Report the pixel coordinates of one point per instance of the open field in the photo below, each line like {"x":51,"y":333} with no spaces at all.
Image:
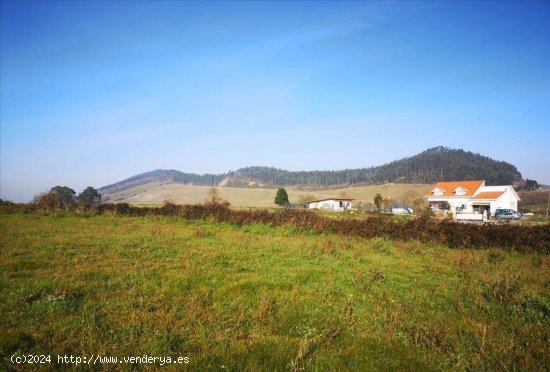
{"x":157,"y":193}
{"x":256,"y":297}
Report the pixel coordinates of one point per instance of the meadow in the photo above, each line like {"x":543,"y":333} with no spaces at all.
{"x":157,"y":193}
{"x":257,"y":297}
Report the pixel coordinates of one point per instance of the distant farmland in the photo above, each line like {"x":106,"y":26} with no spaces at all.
{"x":157,"y":193}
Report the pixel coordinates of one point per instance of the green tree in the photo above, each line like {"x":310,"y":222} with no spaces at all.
{"x":378,"y":201}
{"x":89,"y":196}
{"x":67,"y":195}
{"x":282,"y":197}
{"x":531,"y":185}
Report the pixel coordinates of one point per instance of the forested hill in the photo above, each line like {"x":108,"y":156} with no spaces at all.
{"x":435,"y":164}
{"x":445,"y":164}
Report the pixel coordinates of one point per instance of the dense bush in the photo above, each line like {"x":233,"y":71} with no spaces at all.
{"x":423,"y":228}
{"x":48,"y":200}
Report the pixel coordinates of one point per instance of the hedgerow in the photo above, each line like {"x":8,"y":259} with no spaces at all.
{"x":523,"y":238}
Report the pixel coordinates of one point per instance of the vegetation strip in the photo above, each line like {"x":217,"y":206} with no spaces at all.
{"x":425,"y":229}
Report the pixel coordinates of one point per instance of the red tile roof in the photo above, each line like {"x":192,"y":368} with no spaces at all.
{"x":448,"y":188}
{"x":489,"y":195}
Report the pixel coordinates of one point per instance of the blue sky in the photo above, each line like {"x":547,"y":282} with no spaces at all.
{"x":94,"y":92}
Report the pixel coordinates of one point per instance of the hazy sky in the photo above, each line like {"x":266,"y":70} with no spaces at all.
{"x":93,"y":92}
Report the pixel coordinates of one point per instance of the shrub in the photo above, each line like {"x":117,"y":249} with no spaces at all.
{"x":48,"y":201}
{"x":282,"y":197}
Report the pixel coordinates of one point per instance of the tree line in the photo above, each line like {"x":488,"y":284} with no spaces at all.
{"x":61,"y":196}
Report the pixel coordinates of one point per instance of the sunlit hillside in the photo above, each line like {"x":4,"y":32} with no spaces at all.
{"x":157,"y":193}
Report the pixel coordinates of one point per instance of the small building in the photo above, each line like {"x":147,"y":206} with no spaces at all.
{"x":331,"y":204}
{"x":472,"y":197}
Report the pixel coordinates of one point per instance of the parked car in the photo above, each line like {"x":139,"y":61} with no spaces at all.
{"x":507,"y":214}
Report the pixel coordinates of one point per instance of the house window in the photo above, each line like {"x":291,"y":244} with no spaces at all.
{"x":460,"y":191}
{"x":438,"y":192}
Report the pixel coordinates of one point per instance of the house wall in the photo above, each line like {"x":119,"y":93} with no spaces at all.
{"x":456,"y":203}
{"x":331,"y":205}
{"x":506,"y":201}
{"x":347,"y":205}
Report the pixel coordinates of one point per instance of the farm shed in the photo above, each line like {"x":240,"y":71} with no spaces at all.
{"x":331,"y":204}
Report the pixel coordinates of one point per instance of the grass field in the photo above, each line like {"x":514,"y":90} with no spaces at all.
{"x":264,"y":298}
{"x":157,"y":193}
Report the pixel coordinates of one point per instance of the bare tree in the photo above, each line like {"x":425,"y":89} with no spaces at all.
{"x":378,"y":201}
{"x":214,"y":195}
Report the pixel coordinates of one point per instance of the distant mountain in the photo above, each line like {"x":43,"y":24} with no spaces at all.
{"x":163,"y":175}
{"x":435,"y":164}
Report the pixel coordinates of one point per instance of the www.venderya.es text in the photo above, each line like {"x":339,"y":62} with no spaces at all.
{"x":97,"y":359}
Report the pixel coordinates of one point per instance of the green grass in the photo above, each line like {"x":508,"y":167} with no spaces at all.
{"x":541,"y":206}
{"x":263,"y":298}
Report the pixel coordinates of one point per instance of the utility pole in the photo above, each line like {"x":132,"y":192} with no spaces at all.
{"x":548,"y":205}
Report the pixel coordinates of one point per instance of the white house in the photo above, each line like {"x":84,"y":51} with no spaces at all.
{"x":472,"y":197}
{"x":331,"y":204}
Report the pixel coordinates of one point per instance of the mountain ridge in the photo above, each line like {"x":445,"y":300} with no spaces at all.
{"x":434,"y":164}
